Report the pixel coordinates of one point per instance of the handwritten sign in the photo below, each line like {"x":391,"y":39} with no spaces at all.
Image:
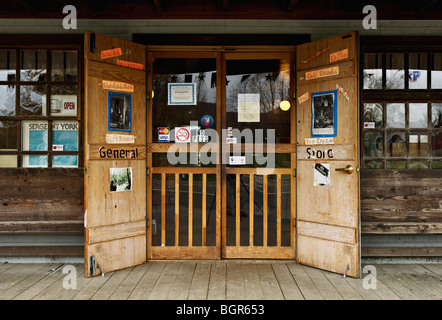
{"x":116,"y":85}
{"x":314,"y":141}
{"x":119,"y":139}
{"x":322,"y":73}
{"x":128,"y":64}
{"x":339,"y":55}
{"x":110,"y":53}
{"x":303,"y":98}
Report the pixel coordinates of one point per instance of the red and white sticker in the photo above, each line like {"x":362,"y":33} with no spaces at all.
{"x":182,"y":135}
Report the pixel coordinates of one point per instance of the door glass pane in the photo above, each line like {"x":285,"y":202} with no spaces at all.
{"x":418,"y":115}
{"x":254,"y":92}
{"x":436,"y":72}
{"x":372,"y":70}
{"x":417,"y":74}
{"x":7,"y":65}
{"x":395,"y":115}
{"x":34,"y":135}
{"x":395,"y":71}
{"x":178,"y":106}
{"x":33,"y":65}
{"x":436,"y":115}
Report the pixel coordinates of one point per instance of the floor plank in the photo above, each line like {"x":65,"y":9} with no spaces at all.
{"x":220,"y":280}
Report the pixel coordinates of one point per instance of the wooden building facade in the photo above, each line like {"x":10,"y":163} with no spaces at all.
{"x":46,"y":116}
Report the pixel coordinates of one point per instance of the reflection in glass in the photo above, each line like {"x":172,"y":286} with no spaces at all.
{"x":7,"y":100}
{"x":202,"y":72}
{"x":269,"y":81}
{"x":436,"y":72}
{"x":395,"y":164}
{"x":417,"y":74}
{"x":418,"y":145}
{"x":372,"y":71}
{"x":7,"y":65}
{"x":396,"y":146}
{"x":32,"y":100}
{"x":64,"y":101}
{"x":395,"y":115}
{"x":8,"y":135}
{"x":418,"y":115}
{"x":372,"y":164}
{"x":33,"y":66}
{"x":418,"y":165}
{"x":373,"y":115}
{"x":64,"y":66}
{"x":436,"y":164}
{"x":436,"y":115}
{"x":436,"y":144}
{"x":373,"y":144}
{"x":395,"y":71}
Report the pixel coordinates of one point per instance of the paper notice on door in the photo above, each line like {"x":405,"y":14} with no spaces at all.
{"x":248,"y":107}
{"x":321,"y":175}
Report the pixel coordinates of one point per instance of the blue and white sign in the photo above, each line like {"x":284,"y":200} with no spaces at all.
{"x":181,"y":94}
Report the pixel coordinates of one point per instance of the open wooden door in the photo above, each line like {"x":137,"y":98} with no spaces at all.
{"x":115,"y":149}
{"x":328,"y":154}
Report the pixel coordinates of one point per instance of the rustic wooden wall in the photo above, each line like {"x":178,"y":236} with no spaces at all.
{"x":401,"y":202}
{"x":40,"y":200}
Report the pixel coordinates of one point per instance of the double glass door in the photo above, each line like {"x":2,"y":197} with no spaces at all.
{"x":221,"y":154}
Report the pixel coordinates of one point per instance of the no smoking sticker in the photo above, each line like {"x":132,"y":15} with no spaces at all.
{"x":182,"y":135}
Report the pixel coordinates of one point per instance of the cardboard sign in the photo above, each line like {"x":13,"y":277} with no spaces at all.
{"x":339,"y":55}
{"x":322,"y":73}
{"x":304,"y":97}
{"x":105,"y":54}
{"x":128,"y":64}
{"x":116,"y":85}
{"x":119,"y":139}
{"x":314,"y":141}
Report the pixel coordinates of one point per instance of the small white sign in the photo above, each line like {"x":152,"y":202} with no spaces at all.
{"x":181,"y":94}
{"x":313,"y":141}
{"x":57,"y":147}
{"x":182,"y":135}
{"x":119,"y":139}
{"x":230,"y":140}
{"x":369,"y":125}
{"x":237,"y":160}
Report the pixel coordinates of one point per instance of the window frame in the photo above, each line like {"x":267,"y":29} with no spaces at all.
{"x":384,"y":96}
{"x":49,"y":44}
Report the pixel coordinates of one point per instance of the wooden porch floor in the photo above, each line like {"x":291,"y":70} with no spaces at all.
{"x":219,"y":280}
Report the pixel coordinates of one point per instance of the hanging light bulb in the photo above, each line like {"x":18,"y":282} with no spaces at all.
{"x":284,"y":105}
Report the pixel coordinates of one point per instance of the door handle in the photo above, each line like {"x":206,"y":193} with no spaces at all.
{"x":348,"y":169}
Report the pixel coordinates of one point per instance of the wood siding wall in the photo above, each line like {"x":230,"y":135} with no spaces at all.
{"x":39,"y":200}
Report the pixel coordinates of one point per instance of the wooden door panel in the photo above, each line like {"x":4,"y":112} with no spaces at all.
{"x":115,"y":220}
{"x":328,"y":212}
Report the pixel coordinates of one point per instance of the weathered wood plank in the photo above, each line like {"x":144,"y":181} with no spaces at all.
{"x":327,"y":290}
{"x":217,"y":284}
{"x":106,"y":291}
{"x":128,"y":285}
{"x":148,"y":281}
{"x":269,"y":283}
{"x":305,"y":284}
{"x":235,"y":282}
{"x":183,"y":280}
{"x":162,"y":287}
{"x":200,"y":282}
{"x":287,"y":283}
{"x":252,"y":282}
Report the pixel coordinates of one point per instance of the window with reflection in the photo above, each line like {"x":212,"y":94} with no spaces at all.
{"x":261,"y":83}
{"x":401,"y":110}
{"x":39,"y":117}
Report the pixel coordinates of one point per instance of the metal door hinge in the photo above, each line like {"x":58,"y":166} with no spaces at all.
{"x":147,"y":172}
{"x":294,"y":173}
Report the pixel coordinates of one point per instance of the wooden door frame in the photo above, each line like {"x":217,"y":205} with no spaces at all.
{"x":220,"y":53}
